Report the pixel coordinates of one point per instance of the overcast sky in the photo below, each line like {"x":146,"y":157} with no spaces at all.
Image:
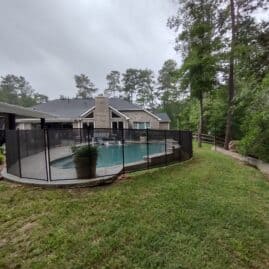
{"x":49,"y":41}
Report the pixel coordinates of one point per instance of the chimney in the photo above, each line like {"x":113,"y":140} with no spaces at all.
{"x":101,"y":113}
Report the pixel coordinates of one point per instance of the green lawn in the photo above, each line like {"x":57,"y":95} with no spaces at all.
{"x":209,"y":212}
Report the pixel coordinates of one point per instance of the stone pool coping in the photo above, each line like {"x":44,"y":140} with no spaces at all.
{"x":61,"y":183}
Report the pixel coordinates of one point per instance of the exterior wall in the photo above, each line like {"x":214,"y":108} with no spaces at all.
{"x":76,"y":124}
{"x":122,"y":119}
{"x":141,"y":116}
{"x":24,"y":126}
{"x":86,"y":120}
{"x":101,"y":112}
{"x":164,"y":126}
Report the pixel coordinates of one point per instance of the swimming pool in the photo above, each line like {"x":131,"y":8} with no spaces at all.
{"x":111,"y":155}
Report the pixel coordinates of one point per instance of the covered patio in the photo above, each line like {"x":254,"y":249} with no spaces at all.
{"x":9,"y":113}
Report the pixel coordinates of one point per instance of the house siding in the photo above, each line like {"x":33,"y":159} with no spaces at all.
{"x":101,"y":112}
{"x":164,"y":126}
{"x":141,"y":116}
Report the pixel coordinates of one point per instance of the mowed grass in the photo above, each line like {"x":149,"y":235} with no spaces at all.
{"x":209,"y":212}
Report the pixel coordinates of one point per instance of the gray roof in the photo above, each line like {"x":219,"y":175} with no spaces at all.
{"x":66,"y":108}
{"x":23,"y":111}
{"x":163,"y":116}
{"x":123,"y":105}
{"x":73,"y":108}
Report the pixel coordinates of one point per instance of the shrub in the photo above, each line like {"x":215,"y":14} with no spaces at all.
{"x":2,"y":159}
{"x":255,"y":127}
{"x":86,"y":151}
{"x":255,"y":142}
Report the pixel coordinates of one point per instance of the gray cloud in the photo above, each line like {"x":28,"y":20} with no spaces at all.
{"x":50,"y":41}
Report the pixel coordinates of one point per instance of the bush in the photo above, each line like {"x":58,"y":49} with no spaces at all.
{"x":85,"y":158}
{"x":2,"y":159}
{"x":255,"y":142}
{"x":255,"y":127}
{"x":86,"y":151}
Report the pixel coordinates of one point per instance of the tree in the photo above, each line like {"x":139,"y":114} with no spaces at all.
{"x":232,"y":16}
{"x":85,"y":87}
{"x":130,"y":83}
{"x":198,"y":43}
{"x":16,"y":90}
{"x":113,"y":81}
{"x":40,"y":98}
{"x":167,"y":90}
{"x":9,"y":89}
{"x":145,"y":88}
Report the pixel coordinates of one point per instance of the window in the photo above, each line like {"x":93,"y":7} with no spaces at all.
{"x":91,"y":115}
{"x":141,"y":125}
{"x":114,"y":115}
{"x":117,"y":125}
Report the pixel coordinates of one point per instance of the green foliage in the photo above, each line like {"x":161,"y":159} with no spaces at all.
{"x":113,"y":81}
{"x":255,"y":141}
{"x":16,"y":90}
{"x":188,"y":115}
{"x":196,"y":39}
{"x":2,"y":159}
{"x":85,"y":87}
{"x":215,"y":112}
{"x":87,"y":151}
{"x":194,"y":215}
{"x":130,"y":82}
{"x":145,"y":88}
{"x":167,"y":90}
{"x":255,"y":125}
{"x":138,"y":86}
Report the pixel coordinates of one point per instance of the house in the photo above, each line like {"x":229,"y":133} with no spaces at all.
{"x":98,"y":112}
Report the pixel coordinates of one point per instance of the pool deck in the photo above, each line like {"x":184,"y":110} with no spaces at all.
{"x":78,"y":183}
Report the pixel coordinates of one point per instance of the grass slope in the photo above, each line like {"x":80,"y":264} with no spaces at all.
{"x":210,"y":212}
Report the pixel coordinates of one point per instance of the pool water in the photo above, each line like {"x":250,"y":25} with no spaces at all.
{"x":112,"y":155}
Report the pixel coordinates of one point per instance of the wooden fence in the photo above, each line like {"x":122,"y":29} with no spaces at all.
{"x":210,"y":139}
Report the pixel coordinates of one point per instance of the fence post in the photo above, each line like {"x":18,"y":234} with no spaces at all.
{"x":190,"y":143}
{"x":122,"y":148}
{"x":47,"y":153}
{"x":165,"y":146}
{"x":80,"y":134}
{"x":19,"y":150}
{"x":147,"y":132}
{"x":179,"y":145}
{"x":88,"y":135}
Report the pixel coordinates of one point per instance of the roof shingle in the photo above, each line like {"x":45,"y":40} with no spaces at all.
{"x":73,"y":108}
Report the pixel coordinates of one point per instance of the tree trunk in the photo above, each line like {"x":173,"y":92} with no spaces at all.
{"x":200,"y":129}
{"x":231,"y":90}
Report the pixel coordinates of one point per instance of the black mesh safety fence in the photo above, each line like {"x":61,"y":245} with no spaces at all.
{"x":12,"y":153}
{"x":47,"y":154}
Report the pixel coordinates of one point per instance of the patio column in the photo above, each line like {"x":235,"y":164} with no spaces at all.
{"x":42,"y":123}
{"x":11,"y":121}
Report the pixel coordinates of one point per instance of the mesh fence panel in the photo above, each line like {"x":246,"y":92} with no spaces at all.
{"x":60,"y":144}
{"x":135,"y":150}
{"x":33,"y":154}
{"x":47,"y":154}
{"x":12,"y":153}
{"x":174,"y":146}
{"x":157,"y":148}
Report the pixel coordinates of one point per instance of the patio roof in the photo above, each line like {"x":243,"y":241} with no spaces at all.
{"x":23,"y":112}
